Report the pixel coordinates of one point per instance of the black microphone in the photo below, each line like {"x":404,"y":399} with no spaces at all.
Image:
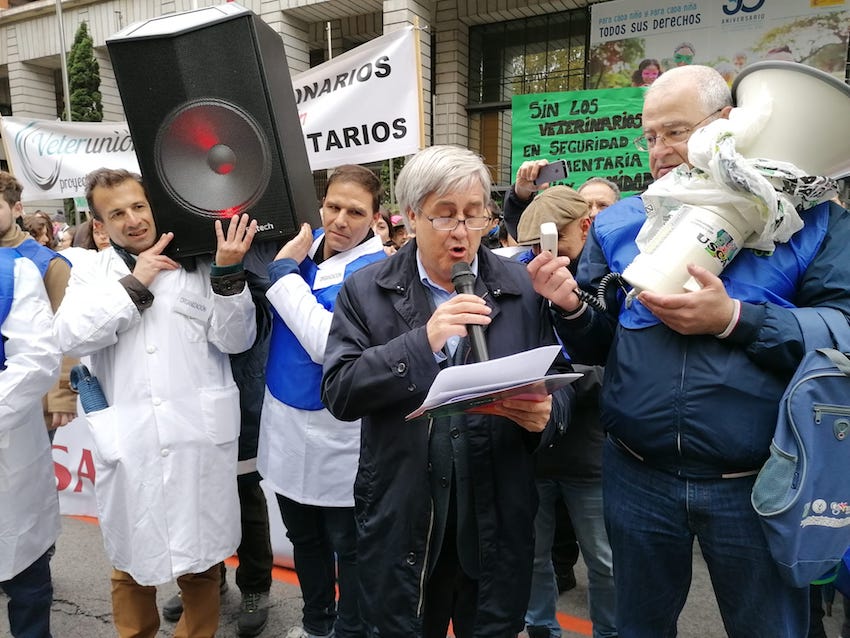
{"x":464,"y":281}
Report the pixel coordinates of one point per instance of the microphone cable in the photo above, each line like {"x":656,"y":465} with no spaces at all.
{"x":598,"y":301}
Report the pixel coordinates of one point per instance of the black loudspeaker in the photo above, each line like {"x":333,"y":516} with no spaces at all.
{"x":210,"y":107}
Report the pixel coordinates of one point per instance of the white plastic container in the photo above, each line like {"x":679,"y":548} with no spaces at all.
{"x":706,"y":236}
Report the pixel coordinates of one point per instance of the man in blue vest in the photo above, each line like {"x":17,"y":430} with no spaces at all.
{"x":306,"y":456}
{"x":60,"y":404}
{"x":29,"y":506}
{"x":692,"y":387}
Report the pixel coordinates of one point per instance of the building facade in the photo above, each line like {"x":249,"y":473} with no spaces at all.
{"x":475,"y":53}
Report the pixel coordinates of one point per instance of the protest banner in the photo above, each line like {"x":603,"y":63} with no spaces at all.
{"x":364,"y":105}
{"x":51,"y":158}
{"x":726,"y":35}
{"x":591,"y":130}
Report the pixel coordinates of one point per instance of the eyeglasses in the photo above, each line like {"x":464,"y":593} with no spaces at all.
{"x":450,"y":223}
{"x":672,"y":137}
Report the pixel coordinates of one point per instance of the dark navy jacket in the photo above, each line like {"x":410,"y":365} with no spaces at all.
{"x":378,"y":367}
{"x":699,"y":406}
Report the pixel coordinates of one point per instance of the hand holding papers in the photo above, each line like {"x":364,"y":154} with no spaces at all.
{"x":460,"y":388}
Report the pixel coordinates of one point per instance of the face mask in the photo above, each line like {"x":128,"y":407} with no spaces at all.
{"x":681,"y":58}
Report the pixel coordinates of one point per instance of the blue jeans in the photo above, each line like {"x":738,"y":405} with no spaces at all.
{"x":652,"y":519}
{"x":584,"y":502}
{"x":30,"y":597}
{"x":317,"y":534}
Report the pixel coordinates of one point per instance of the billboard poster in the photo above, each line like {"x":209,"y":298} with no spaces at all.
{"x":631,"y":41}
{"x":591,"y":130}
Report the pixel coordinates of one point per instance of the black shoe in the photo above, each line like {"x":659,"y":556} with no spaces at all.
{"x":537,"y":631}
{"x":253,"y":615}
{"x":173,"y":609}
{"x":566,"y":581}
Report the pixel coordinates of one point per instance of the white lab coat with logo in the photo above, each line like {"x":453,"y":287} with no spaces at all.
{"x":29,"y":506}
{"x":166,"y":447}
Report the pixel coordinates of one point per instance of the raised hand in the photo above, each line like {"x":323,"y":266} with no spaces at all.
{"x":551,"y":279}
{"x":524,"y":187}
{"x":240,"y":234}
{"x":451,"y":318}
{"x":151,"y":261}
{"x":297,"y":247}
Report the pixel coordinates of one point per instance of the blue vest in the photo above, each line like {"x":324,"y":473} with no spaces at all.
{"x":292,"y":376}
{"x":40,"y":255}
{"x":7,"y":292}
{"x":752,"y":276}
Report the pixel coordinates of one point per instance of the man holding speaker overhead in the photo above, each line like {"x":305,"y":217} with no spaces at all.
{"x":165,"y":449}
{"x":444,"y":506}
{"x":693,"y":381}
{"x":307,"y":456}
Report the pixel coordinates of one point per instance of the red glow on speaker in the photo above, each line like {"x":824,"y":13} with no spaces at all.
{"x":224,"y":169}
{"x":194,"y":128}
{"x":227,"y":213}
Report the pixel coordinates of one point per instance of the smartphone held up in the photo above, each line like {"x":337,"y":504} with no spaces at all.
{"x":552,"y":172}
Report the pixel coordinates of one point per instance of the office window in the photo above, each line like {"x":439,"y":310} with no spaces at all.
{"x":532,"y":55}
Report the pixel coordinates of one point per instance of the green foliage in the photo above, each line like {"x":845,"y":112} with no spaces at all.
{"x":84,"y":79}
{"x":820,"y":38}
{"x":611,"y":63}
{"x":557,"y":68}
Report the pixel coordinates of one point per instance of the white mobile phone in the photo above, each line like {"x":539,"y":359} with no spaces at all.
{"x":549,"y":238}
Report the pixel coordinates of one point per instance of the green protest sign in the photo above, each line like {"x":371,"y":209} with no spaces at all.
{"x":591,"y":130}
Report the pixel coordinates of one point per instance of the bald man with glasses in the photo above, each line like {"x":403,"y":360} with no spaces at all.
{"x":692,"y":387}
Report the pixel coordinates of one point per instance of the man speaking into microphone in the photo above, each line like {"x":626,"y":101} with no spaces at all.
{"x":445,"y":506}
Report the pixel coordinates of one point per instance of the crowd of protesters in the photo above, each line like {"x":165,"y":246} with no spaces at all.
{"x":300,"y":363}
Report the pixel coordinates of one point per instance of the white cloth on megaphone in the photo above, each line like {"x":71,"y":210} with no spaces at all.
{"x":765,"y":193}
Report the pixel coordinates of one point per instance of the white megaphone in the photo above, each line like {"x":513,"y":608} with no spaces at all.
{"x":708,"y":236}
{"x":808,"y":126}
{"x":809,"y":123}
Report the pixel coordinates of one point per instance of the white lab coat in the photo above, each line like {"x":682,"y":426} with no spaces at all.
{"x":309,"y":456}
{"x":166,"y":449}
{"x":29,"y":506}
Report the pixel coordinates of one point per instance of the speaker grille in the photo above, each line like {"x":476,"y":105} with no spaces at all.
{"x":212,"y":158}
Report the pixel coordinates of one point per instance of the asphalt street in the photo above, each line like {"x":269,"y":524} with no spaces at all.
{"x":82,"y":607}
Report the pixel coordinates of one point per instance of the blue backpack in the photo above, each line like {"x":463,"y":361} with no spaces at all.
{"x":7,"y":292}
{"x":802,"y":493}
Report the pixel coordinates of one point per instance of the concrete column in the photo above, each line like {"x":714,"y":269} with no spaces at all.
{"x":296,"y":39}
{"x":32,"y":90}
{"x":452,"y":75}
{"x":400,"y":13}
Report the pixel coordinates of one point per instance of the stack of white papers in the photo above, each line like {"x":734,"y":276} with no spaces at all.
{"x":521,"y":376}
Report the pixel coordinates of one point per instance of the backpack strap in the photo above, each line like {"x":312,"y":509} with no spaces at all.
{"x":823,"y":328}
{"x":838,"y":359}
{"x":7,"y":292}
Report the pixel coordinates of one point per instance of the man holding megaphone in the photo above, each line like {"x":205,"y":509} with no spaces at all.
{"x":692,"y":385}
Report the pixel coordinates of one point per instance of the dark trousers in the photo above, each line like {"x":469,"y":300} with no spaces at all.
{"x":565,"y":545}
{"x":317,"y":534}
{"x":30,"y":597}
{"x":450,"y":595}
{"x":254,"y":574}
